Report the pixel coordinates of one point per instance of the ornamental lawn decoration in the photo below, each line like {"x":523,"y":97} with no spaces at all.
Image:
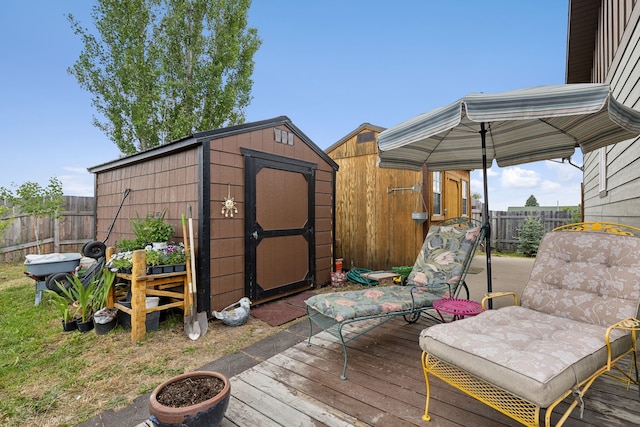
{"x":229,"y":204}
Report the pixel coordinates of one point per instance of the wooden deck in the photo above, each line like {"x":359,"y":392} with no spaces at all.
{"x":301,"y":386}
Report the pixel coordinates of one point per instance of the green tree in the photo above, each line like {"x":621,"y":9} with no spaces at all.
{"x":530,"y":235}
{"x":160,"y":70}
{"x":5,"y":218}
{"x":531,"y":201}
{"x":36,"y":201}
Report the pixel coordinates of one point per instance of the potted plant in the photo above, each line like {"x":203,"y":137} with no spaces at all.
{"x":83,"y":300}
{"x":129,"y":245}
{"x":176,"y":256}
{"x":152,"y":228}
{"x":104,"y":318}
{"x":121,"y":262}
{"x":155,"y":259}
{"x":65,"y":307}
{"x":205,"y":403}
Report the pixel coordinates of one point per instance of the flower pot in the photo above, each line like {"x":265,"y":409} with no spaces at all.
{"x":85,"y":326}
{"x":419,"y":217}
{"x":158,"y":246}
{"x":155,"y":269}
{"x":167,"y":268}
{"x":209,"y":412}
{"x":105,"y":320}
{"x":179,"y":267}
{"x":152,"y":320}
{"x":69,"y":326}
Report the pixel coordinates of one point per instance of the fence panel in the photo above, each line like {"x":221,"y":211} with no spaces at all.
{"x":66,"y":234}
{"x":506,"y":226}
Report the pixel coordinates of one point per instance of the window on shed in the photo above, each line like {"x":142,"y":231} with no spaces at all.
{"x":465,"y":198}
{"x":366,"y":137}
{"x":437,"y":193}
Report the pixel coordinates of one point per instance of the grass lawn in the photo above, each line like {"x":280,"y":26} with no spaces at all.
{"x":53,"y":378}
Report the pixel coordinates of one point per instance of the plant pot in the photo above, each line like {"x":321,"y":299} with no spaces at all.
{"x":419,"y":217}
{"x":154,"y":269}
{"x":167,"y":268}
{"x":105,"y":320}
{"x":179,"y":267}
{"x":85,"y":326}
{"x":207,"y":413}
{"x":158,"y":246}
{"x":152,"y":320}
{"x":70,"y":326}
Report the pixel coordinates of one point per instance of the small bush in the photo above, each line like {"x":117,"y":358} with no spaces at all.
{"x":530,"y":235}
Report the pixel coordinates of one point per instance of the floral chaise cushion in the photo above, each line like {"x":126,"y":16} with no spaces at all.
{"x":443,"y":255}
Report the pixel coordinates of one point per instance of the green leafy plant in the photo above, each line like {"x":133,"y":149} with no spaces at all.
{"x":530,"y":235}
{"x":81,"y":295}
{"x":103,"y":284}
{"x":62,"y":302}
{"x":152,"y":228}
{"x":120,"y":261}
{"x":128,"y":245}
{"x":36,"y":201}
{"x":154,"y":257}
{"x":175,"y":254}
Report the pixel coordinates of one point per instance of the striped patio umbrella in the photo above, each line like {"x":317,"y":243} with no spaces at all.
{"x":515,"y":127}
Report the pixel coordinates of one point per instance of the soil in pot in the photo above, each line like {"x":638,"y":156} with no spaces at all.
{"x":192,"y":399}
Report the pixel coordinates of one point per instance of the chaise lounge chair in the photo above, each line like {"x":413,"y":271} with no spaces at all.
{"x":577,"y":318}
{"x":438,"y":272}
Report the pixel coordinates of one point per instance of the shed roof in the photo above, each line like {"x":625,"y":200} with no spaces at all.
{"x":199,"y":137}
{"x":353,"y":133}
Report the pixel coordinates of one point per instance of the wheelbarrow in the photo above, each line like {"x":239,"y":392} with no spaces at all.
{"x":48,"y":269}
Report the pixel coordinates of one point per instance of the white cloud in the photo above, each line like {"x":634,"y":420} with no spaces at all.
{"x":78,"y":182}
{"x":563,"y":171}
{"x":515,"y":177}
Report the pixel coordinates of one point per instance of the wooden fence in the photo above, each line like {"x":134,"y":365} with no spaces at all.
{"x":77,"y":226}
{"x":66,"y":234}
{"x":506,"y":226}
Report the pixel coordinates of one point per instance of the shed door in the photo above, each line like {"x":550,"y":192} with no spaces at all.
{"x":279,"y":232}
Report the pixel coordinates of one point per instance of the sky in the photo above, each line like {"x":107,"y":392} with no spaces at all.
{"x":328,"y":65}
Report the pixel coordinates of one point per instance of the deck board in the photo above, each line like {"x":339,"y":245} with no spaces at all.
{"x":301,"y":386}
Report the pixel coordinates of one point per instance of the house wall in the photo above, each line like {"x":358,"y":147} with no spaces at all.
{"x":616,"y":59}
{"x":374,"y":228}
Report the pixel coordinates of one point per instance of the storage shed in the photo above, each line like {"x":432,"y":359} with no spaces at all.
{"x":279,"y":242}
{"x":375,"y":207}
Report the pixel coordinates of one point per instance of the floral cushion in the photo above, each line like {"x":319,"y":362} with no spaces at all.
{"x":588,"y":277}
{"x":443,"y":256}
{"x":371,"y":302}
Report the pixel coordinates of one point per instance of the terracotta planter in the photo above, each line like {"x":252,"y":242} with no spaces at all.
{"x":207,"y":413}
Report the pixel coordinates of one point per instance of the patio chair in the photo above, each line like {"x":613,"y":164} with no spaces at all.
{"x":438,"y":272}
{"x":577,"y":318}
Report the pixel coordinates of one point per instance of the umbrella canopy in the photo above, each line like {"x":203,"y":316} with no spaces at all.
{"x":515,"y":127}
{"x":526,"y":125}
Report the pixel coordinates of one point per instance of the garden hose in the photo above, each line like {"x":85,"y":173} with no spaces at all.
{"x":355,"y":276}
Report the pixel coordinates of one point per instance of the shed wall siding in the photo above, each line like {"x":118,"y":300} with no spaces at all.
{"x":616,"y":60}
{"x":227,"y":234}
{"x":374,"y":229}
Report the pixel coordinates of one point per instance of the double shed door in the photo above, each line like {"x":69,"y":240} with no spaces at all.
{"x":279,"y":225}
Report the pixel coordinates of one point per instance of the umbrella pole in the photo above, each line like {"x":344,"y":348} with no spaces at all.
{"x":485,"y":209}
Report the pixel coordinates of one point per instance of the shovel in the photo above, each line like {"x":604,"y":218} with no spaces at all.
{"x":191,"y":326}
{"x":203,"y":321}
